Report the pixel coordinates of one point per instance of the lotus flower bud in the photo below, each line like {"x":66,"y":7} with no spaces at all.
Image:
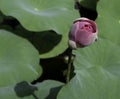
{"x":83,"y":33}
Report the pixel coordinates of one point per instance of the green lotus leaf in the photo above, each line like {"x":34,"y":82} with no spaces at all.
{"x":97,"y":67}
{"x":109,"y":20}
{"x":23,"y":90}
{"x":40,"y":15}
{"x":57,"y":45}
{"x":48,"y":43}
{"x":97,"y":73}
{"x":19,"y":60}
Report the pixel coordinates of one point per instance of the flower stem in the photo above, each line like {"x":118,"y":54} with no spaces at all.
{"x":69,"y":65}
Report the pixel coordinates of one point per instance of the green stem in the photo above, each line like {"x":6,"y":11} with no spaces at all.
{"x":69,"y":66}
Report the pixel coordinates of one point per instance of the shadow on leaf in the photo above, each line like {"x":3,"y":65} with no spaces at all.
{"x":24,"y":89}
{"x":53,"y":93}
{"x":44,"y":41}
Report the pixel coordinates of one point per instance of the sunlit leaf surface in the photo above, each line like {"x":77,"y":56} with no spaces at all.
{"x":23,"y":90}
{"x":19,"y":60}
{"x":97,"y":66}
{"x":40,"y":15}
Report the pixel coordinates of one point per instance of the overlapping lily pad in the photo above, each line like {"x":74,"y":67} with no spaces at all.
{"x":43,"y":15}
{"x":109,"y":20}
{"x":19,"y":60}
{"x":60,"y":45}
{"x":45,"y":90}
{"x":40,"y":15}
{"x":97,"y":73}
{"x":48,"y":43}
{"x":97,"y":67}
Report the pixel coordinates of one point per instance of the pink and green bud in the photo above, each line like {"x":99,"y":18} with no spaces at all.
{"x":83,"y":33}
